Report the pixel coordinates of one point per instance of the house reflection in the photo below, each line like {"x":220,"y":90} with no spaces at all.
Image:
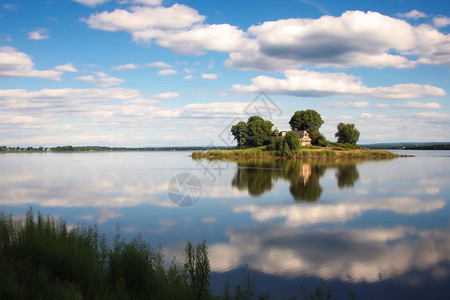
{"x":258,"y":175}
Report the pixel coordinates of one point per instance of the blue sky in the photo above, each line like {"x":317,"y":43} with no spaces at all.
{"x":158,"y":73}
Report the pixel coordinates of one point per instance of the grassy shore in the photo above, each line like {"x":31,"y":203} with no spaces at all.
{"x":304,"y":153}
{"x":42,"y":258}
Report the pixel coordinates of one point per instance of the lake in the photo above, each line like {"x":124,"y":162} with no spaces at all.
{"x":378,"y":228}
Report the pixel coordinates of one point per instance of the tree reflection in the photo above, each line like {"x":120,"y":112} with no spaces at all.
{"x":257,"y":175}
{"x":347,"y":175}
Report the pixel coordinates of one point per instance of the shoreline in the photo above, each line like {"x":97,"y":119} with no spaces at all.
{"x":303,"y":154}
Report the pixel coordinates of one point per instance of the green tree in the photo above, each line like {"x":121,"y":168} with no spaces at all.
{"x":347,"y":133}
{"x":255,"y":133}
{"x":309,"y":120}
{"x":290,"y":144}
{"x":239,"y":132}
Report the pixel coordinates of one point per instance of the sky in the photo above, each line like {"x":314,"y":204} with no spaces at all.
{"x":141,"y":73}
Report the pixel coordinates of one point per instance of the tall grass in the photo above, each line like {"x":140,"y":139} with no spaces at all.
{"x":44,"y":259}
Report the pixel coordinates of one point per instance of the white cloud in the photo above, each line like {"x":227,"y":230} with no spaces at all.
{"x":441,"y":22}
{"x":433,"y":47}
{"x":414,"y":14}
{"x":144,"y":23}
{"x":421,"y":105}
{"x":354,"y":39}
{"x":149,"y":2}
{"x":302,"y":83}
{"x":215,"y":109}
{"x":91,"y":3}
{"x":19,"y":64}
{"x":189,"y":77}
{"x":209,"y":76}
{"x":131,"y":66}
{"x":340,"y":104}
{"x":166,"y":96}
{"x":201,"y":38}
{"x":40,"y":34}
{"x":125,"y":67}
{"x":167,"y":72}
{"x":101,"y":79}
{"x":66,"y":68}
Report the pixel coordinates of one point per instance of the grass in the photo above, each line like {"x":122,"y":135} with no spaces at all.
{"x":303,"y":153}
{"x":45,"y":259}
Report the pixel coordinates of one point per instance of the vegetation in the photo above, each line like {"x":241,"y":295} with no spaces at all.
{"x":103,"y":148}
{"x":44,"y":259}
{"x":255,"y":133}
{"x":347,"y":134}
{"x":290,"y":144}
{"x":303,"y":153}
{"x":309,"y":120}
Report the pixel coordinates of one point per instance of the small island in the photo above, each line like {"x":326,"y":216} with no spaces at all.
{"x":256,"y":139}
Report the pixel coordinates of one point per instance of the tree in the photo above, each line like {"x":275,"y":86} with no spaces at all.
{"x":239,"y":132}
{"x":347,"y":133}
{"x":290,"y":144}
{"x":309,"y":120}
{"x":255,"y":133}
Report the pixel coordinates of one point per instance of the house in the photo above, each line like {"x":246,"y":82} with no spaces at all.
{"x":305,"y":140}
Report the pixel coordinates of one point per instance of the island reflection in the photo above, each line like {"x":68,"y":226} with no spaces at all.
{"x":258,"y":175}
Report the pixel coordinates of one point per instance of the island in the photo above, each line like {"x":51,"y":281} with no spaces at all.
{"x":256,"y":138}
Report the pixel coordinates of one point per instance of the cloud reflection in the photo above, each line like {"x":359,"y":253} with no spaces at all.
{"x":300,"y":215}
{"x":357,"y":255}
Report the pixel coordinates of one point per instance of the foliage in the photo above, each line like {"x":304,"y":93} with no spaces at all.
{"x":308,"y":120}
{"x":43,"y":259}
{"x":290,"y":144}
{"x":255,"y":133}
{"x":347,"y":134}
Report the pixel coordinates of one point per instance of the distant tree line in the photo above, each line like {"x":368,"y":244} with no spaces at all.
{"x":105,"y":148}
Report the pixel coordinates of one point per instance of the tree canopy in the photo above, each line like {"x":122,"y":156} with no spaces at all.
{"x":255,"y":133}
{"x":347,"y":133}
{"x":309,"y":120}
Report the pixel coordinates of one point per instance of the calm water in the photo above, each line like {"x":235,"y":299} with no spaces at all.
{"x":378,"y":228}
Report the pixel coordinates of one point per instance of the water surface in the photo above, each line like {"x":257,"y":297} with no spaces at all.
{"x":378,"y":228}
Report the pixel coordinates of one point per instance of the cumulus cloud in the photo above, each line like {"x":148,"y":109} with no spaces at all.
{"x":66,"y":68}
{"x":166,"y":96}
{"x":302,"y":83}
{"x":18,"y":64}
{"x":143,"y":22}
{"x":178,"y":28}
{"x":40,"y":34}
{"x":91,"y":3}
{"x":340,"y":104}
{"x":413,"y":14}
{"x":420,"y":105}
{"x":133,"y":66}
{"x":441,"y":22}
{"x":209,"y":76}
{"x":433,"y":47}
{"x":353,"y":39}
{"x":167,"y":72}
{"x":101,"y":79}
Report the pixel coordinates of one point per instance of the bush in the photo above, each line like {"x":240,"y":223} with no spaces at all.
{"x":290,"y":145}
